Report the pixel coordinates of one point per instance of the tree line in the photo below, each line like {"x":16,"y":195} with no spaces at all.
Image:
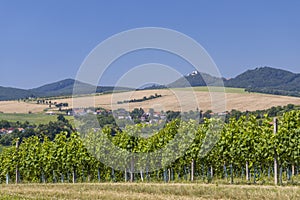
{"x":140,"y":100}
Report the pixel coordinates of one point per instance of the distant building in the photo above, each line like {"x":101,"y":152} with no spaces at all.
{"x":50,"y":113}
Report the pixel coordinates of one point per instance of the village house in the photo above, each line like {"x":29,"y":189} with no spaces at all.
{"x":10,"y":130}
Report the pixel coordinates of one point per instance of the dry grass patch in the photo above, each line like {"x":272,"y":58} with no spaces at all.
{"x":147,"y":191}
{"x":20,"y":107}
{"x":184,"y":100}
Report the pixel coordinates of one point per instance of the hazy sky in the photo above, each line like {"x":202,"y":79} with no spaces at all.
{"x":46,"y":41}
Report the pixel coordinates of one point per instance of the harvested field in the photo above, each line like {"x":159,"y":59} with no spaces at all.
{"x":177,"y":99}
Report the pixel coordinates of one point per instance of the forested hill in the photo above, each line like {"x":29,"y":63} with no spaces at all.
{"x":60,"y":88}
{"x":267,"y":80}
{"x":264,"y":79}
{"x":9,"y":93}
{"x":196,"y":79}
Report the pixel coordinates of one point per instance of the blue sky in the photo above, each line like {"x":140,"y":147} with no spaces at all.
{"x":46,"y":41}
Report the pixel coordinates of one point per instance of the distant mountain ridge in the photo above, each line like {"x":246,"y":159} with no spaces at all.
{"x":59,"y":88}
{"x":264,"y":79}
{"x":9,"y":93}
{"x":268,"y":80}
{"x":197,"y":79}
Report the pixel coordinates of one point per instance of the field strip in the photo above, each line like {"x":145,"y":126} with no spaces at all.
{"x":147,"y":191}
{"x":169,"y":101}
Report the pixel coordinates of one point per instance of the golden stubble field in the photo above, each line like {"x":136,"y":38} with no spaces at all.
{"x":20,"y":107}
{"x":177,"y":100}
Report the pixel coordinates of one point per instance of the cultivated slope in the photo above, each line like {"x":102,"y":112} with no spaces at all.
{"x":235,"y":99}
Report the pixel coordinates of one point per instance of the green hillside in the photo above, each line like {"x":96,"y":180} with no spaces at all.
{"x":31,"y":118}
{"x":268,"y":80}
{"x":263,"y":80}
{"x":8,"y":93}
{"x":215,"y":89}
{"x":56,"y":89}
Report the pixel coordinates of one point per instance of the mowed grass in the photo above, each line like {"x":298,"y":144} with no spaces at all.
{"x":1,"y":148}
{"x":33,"y":118}
{"x":145,"y":191}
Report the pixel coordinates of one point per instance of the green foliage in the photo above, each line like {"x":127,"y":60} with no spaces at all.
{"x":1,"y":148}
{"x":49,"y":130}
{"x":140,"y":100}
{"x":214,"y":146}
{"x":34,"y":118}
{"x":271,"y":112}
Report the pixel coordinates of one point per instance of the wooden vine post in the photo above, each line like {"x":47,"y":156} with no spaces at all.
{"x":125,"y":174}
{"x":247,"y":171}
{"x":132,"y":170}
{"x":17,"y":167}
{"x":275,"y":153}
{"x":192,"y":170}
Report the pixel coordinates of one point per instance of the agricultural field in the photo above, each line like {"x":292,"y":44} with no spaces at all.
{"x":146,"y":191}
{"x":216,"y":89}
{"x":236,"y":98}
{"x":1,"y":148}
{"x":20,"y":107}
{"x":35,"y":118}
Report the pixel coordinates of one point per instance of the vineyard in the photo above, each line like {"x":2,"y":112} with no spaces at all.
{"x":241,"y":151}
